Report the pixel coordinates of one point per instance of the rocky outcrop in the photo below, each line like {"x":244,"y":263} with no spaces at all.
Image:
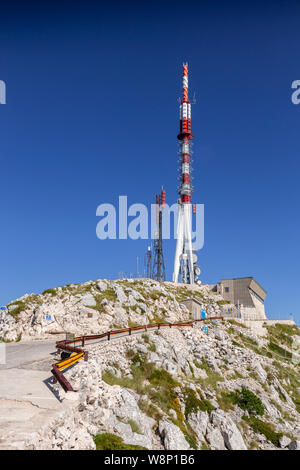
{"x":165,"y":390}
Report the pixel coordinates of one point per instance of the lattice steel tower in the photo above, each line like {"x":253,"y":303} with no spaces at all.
{"x":159,"y":271}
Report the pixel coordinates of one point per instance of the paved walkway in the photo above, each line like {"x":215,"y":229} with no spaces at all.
{"x":27,"y":400}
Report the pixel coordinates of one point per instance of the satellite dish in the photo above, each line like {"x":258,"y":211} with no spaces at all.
{"x":197,"y":270}
{"x":195,"y":258}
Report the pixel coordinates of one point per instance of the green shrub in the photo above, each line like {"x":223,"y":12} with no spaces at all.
{"x":108,"y":441}
{"x":163,"y":378}
{"x":247,"y":400}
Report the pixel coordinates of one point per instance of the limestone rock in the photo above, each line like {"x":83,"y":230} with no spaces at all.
{"x":215,"y":439}
{"x":232,"y":436}
{"x":101,"y":286}
{"x":172,"y":436}
{"x":294,"y":445}
{"x":199,"y":422}
{"x":88,"y":300}
{"x":284,"y":441}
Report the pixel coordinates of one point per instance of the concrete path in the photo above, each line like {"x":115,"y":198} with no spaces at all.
{"x":25,"y":353}
{"x":27,"y":400}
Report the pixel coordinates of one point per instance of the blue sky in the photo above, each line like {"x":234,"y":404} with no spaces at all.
{"x":92,"y":114}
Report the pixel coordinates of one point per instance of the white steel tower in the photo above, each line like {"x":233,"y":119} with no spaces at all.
{"x":184,"y":269}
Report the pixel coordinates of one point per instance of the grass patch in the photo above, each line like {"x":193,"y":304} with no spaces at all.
{"x":151,"y":345}
{"x":235,"y":343}
{"x":212,"y":376}
{"x":134,"y":426}
{"x":132,"y":324}
{"x":264,"y":428}
{"x":248,"y":340}
{"x":150,"y":410}
{"x":289,"y":330}
{"x":236,"y":323}
{"x":20,"y":307}
{"x":158,"y":319}
{"x":193,"y":404}
{"x":53,"y":292}
{"x":108,"y":441}
{"x":293,"y":376}
{"x":160,"y":390}
{"x":204,"y":446}
{"x":155,"y":295}
{"x":253,"y":445}
{"x":223,"y":302}
{"x":225,"y":401}
{"x":279,"y":350}
{"x":112,"y":379}
{"x":160,"y":377}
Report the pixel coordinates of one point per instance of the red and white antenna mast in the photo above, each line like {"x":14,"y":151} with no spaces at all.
{"x":184,"y":256}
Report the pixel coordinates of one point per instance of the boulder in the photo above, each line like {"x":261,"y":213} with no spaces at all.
{"x":294,"y":445}
{"x":101,"y":286}
{"x":284,"y":441}
{"x":172,"y":436}
{"x":199,"y":422}
{"x":232,"y":436}
{"x":88,"y":300}
{"x":262,"y":374}
{"x":220,"y":335}
{"x":215,"y":439}
{"x":120,"y":294}
{"x":141,"y":349}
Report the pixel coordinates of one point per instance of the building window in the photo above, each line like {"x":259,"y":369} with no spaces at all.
{"x":226,"y":289}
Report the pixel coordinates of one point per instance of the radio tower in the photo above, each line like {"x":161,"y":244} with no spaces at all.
{"x":148,"y":262}
{"x":184,"y":269}
{"x":159,"y":271}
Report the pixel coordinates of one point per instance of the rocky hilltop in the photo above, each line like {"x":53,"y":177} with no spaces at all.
{"x":179,"y":388}
{"x":97,"y":306}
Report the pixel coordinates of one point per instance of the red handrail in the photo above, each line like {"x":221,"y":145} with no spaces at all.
{"x":65,"y":345}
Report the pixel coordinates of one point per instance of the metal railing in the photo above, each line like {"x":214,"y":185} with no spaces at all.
{"x":78,"y":353}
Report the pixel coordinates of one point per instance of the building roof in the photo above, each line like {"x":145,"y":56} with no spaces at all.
{"x":246,"y":277}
